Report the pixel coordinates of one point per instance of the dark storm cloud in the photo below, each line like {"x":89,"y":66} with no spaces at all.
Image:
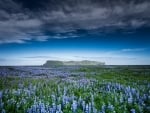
{"x":25,"y":20}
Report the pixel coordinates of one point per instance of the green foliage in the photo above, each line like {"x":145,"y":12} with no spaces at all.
{"x":92,"y":84}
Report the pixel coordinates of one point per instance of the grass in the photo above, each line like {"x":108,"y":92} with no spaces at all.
{"x":21,"y":93}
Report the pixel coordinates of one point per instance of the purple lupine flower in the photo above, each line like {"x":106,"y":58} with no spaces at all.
{"x":94,"y":110}
{"x":1,"y":104}
{"x":103,"y":108}
{"x":29,"y":110}
{"x":87,"y":109}
{"x":132,"y":111}
{"x":1,"y":94}
{"x":80,"y":100}
{"x":74,"y":106}
{"x":59,"y":107}
{"x":43,"y":110}
{"x":90,"y":107}
{"x":33,"y":108}
{"x":83,"y":105}
{"x":54,"y":106}
{"x":3,"y":111}
{"x":130,"y":100}
{"x":110,"y":107}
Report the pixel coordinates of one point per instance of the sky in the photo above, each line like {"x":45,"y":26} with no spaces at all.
{"x":116,"y":32}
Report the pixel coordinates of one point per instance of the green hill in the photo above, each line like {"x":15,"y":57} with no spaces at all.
{"x":50,"y":63}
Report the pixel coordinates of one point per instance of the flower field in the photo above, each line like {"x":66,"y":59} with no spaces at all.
{"x":74,"y":90}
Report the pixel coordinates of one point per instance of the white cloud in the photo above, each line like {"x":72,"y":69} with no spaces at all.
{"x":133,"y":50}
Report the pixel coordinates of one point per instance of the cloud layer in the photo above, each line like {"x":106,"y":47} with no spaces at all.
{"x":23,"y":20}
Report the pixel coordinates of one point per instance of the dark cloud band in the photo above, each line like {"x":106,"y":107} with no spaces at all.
{"x":24,"y":20}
